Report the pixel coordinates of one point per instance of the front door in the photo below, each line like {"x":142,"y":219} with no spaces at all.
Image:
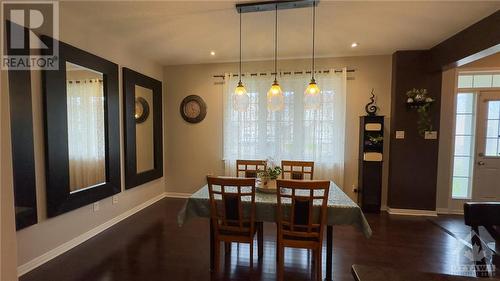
{"x":487,"y":166}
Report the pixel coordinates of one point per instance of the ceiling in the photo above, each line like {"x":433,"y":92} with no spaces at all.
{"x":185,"y":32}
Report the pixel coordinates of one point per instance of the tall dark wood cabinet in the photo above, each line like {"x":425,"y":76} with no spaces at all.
{"x":371,"y":148}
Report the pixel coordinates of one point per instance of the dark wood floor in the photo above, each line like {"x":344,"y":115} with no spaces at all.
{"x":150,"y":246}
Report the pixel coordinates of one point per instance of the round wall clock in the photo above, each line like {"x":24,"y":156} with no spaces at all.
{"x":141,"y":110}
{"x":193,"y":109}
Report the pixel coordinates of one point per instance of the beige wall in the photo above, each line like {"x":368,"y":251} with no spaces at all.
{"x":8,"y":252}
{"x":51,"y":233}
{"x":448,"y":100}
{"x":194,"y":150}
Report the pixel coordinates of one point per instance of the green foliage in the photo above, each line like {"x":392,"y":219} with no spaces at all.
{"x":271,"y":172}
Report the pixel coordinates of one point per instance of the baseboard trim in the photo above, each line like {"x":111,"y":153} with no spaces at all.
{"x":177,"y":195}
{"x":411,"y":212}
{"x":36,"y":262}
{"x":444,"y":211}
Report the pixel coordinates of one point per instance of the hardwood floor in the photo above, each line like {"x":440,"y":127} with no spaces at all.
{"x":150,"y":246}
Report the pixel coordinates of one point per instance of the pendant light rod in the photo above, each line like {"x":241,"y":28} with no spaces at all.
{"x":239,"y":73}
{"x":276,"y":41}
{"x":314,"y":37}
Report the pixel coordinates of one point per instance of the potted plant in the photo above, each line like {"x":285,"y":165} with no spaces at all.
{"x":269,"y":175}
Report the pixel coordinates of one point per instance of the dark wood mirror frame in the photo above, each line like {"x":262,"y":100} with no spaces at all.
{"x":130,"y":80}
{"x":21,"y":123}
{"x":59,"y":198}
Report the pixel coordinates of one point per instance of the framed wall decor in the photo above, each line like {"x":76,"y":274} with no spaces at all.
{"x":82,"y":130}
{"x":193,"y":109}
{"x":143,"y":128}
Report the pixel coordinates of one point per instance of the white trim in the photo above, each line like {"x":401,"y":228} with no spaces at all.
{"x":445,"y":211}
{"x":177,"y":195}
{"x":411,"y":212}
{"x":383,"y":208}
{"x":36,"y":262}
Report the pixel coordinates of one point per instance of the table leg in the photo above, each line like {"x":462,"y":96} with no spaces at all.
{"x":329,"y":252}
{"x":212,"y":247}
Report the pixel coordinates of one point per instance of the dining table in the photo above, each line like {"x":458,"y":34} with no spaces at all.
{"x":342,"y":210}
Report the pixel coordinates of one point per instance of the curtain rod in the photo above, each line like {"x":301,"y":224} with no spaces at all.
{"x":285,"y":73}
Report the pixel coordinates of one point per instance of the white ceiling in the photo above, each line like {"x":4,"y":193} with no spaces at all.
{"x":184,"y":32}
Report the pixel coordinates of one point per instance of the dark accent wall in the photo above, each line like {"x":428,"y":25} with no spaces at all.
{"x":413,"y":160}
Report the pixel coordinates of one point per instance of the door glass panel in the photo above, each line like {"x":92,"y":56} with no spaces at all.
{"x":494,"y":110}
{"x":86,"y":133}
{"x":464,"y":124}
{"x":463,"y":145}
{"x":465,"y":103}
{"x":461,"y":167}
{"x":460,"y":187}
{"x":492,"y":131}
{"x":464,"y":137}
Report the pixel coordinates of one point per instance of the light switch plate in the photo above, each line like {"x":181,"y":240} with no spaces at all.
{"x":96,"y":206}
{"x":400,"y":135}
{"x":115,"y":199}
{"x":431,"y":135}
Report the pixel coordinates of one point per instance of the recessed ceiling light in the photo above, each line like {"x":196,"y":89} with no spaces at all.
{"x":354,"y":44}
{"x":212,"y":53}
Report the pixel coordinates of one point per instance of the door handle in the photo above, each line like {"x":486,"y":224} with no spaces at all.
{"x":481,"y":163}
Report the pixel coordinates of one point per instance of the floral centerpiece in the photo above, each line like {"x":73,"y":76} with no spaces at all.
{"x":269,"y":175}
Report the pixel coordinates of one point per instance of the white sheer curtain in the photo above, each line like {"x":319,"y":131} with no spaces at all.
{"x":295,"y":133}
{"x":86,"y":144}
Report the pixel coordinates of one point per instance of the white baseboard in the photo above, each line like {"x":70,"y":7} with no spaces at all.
{"x":177,"y":195}
{"x":445,"y":211}
{"x":36,"y":262}
{"x":383,"y":208}
{"x":410,"y":212}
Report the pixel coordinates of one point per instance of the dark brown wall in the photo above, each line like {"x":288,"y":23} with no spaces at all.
{"x":413,"y":160}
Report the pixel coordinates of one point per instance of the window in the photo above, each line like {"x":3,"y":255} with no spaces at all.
{"x":464,"y":145}
{"x":295,"y":133}
{"x":469,"y":81}
{"x":493,"y":129}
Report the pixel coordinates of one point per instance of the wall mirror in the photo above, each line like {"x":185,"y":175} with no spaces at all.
{"x":82,"y":130}
{"x":21,"y":119}
{"x":143,"y":128}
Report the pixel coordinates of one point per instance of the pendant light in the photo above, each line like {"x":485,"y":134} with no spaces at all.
{"x":275,"y":98}
{"x":241,"y":100}
{"x":311,"y":94}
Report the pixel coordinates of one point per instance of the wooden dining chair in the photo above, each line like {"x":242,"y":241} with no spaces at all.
{"x":301,"y":218}
{"x":297,"y":170}
{"x":232,"y":214}
{"x":249,"y":168}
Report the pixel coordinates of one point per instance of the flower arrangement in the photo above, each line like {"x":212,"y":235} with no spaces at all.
{"x":420,"y":99}
{"x":271,"y":172}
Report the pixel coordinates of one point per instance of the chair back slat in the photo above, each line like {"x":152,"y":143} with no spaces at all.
{"x":232,"y":204}
{"x":249,"y":168}
{"x":302,"y":208}
{"x":297,"y":170}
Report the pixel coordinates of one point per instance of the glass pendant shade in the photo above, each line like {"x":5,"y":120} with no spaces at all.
{"x":241,"y":100}
{"x":312,"y":96}
{"x":275,"y":98}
